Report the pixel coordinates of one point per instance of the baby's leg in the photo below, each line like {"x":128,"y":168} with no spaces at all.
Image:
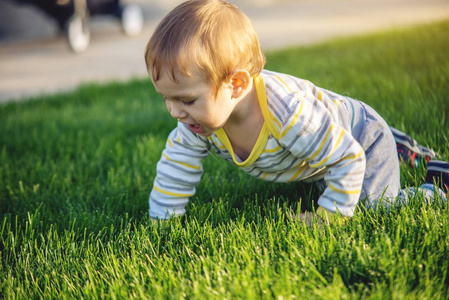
{"x":436,"y":186}
{"x":382,"y":174}
{"x":409,"y":150}
{"x":429,"y":191}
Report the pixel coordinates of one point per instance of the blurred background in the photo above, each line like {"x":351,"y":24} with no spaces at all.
{"x":48,"y":46}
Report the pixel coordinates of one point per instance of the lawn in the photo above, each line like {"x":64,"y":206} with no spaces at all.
{"x":76,"y":170}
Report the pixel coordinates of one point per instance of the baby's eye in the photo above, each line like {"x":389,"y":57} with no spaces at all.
{"x":187,"y":103}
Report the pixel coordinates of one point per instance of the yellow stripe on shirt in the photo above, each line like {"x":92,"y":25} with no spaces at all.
{"x":286,"y":130}
{"x":340,"y":137}
{"x":272,"y":150}
{"x":299,"y":172}
{"x":181,"y":163}
{"x":172,"y":193}
{"x":274,"y":119}
{"x":286,"y":85}
{"x":352,"y":156}
{"x":343,"y":191}
{"x":322,"y":143}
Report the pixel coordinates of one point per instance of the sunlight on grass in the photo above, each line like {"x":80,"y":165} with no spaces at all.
{"x":76,"y":170}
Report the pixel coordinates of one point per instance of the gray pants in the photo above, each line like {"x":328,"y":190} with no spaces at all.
{"x":381,"y":183}
{"x":382,"y":174}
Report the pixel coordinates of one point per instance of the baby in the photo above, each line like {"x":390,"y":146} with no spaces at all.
{"x":205,"y":59}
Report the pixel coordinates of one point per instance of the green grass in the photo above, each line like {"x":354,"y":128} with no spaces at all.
{"x":76,"y":170}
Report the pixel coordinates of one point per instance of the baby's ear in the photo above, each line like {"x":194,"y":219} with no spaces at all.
{"x":240,"y":80}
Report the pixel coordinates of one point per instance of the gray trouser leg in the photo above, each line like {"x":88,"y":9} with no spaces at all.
{"x":382,"y":175}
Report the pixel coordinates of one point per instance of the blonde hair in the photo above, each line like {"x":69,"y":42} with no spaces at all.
{"x":210,"y":36}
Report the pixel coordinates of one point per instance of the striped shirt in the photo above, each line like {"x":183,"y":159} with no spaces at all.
{"x":306,"y":135}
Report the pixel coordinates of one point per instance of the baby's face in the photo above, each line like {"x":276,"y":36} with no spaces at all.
{"x":194,"y":102}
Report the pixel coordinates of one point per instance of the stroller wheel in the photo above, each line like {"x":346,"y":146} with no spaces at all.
{"x":78,"y":33}
{"x":132,"y":19}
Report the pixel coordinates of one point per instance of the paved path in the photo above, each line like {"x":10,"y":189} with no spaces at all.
{"x":47,"y":66}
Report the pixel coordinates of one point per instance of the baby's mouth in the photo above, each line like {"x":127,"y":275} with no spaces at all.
{"x":196,"y":128}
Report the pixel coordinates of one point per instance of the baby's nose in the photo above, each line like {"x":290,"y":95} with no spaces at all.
{"x":176,"y":110}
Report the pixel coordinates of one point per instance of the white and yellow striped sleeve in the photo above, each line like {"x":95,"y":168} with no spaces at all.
{"x":178,"y":172}
{"x":311,"y":133}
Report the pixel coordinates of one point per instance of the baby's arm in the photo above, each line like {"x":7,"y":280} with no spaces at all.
{"x":178,"y":172}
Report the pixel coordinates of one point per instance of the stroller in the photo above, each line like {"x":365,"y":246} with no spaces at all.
{"x":73,"y":16}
